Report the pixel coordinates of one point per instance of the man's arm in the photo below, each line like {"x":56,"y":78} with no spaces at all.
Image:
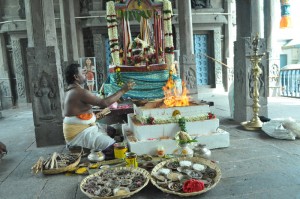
{"x":89,"y":98}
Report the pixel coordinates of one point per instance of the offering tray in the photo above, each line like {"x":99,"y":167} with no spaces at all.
{"x":210,"y":176}
{"x":118,"y":182}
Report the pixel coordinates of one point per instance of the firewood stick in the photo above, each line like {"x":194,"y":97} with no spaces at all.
{"x":53,"y":160}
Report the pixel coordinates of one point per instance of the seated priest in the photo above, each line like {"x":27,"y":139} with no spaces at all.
{"x":79,"y":125}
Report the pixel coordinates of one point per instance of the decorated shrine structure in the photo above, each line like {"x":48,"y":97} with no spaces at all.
{"x":147,"y":59}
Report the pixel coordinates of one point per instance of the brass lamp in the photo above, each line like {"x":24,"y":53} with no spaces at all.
{"x":255,"y":123}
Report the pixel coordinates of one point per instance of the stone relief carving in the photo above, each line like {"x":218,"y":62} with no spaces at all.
{"x":4,"y":88}
{"x":274,"y":73}
{"x":21,"y":9}
{"x":218,"y":56}
{"x":188,"y":59}
{"x":17,"y":58}
{"x":84,"y":6}
{"x":190,"y":78}
{"x":99,"y":41}
{"x":44,"y":90}
{"x":198,"y":4}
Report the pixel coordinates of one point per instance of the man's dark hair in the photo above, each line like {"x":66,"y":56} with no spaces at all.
{"x":71,"y":70}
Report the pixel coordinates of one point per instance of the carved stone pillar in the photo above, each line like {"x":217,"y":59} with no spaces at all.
{"x":19,"y":70}
{"x":44,"y":72}
{"x":5,"y":89}
{"x":187,"y":58}
{"x":242,"y":66}
{"x":99,"y":48}
{"x":218,"y":56}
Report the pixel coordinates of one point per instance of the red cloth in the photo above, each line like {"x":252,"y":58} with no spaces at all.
{"x":193,"y":185}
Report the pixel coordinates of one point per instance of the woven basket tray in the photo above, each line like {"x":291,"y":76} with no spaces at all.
{"x":202,"y":161}
{"x":137,"y":170}
{"x":62,"y":169}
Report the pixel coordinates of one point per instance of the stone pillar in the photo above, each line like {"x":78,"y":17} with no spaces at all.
{"x":68,"y":30}
{"x":99,"y":48}
{"x":218,"y":56}
{"x":44,"y":72}
{"x":242,"y":66}
{"x":187,"y":58}
{"x":80,"y":42}
{"x":273,"y":48}
{"x":18,"y":69}
{"x":5,"y":88}
{"x":257,"y":16}
{"x":230,"y":37}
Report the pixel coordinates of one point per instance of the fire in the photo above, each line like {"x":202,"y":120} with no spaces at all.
{"x":175,"y":96}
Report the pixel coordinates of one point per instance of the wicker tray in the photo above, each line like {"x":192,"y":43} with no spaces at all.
{"x":62,"y":169}
{"x":202,"y":161}
{"x":137,"y":170}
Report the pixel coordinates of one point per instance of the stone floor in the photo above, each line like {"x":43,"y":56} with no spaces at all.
{"x":254,"y":166}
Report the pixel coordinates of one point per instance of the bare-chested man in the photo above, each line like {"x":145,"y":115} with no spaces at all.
{"x":79,"y":122}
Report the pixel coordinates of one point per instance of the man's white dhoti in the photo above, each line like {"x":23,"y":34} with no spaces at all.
{"x":92,"y":137}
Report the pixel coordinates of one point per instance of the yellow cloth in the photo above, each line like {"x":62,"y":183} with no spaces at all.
{"x":71,"y":130}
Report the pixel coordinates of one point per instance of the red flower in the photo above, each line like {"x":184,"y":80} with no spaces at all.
{"x":193,"y":185}
{"x":211,"y":116}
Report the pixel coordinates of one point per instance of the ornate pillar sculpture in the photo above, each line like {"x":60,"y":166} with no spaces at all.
{"x":187,"y":58}
{"x":44,"y":72}
{"x":99,"y":49}
{"x":5,"y":87}
{"x":243,"y":78}
{"x":19,"y":69}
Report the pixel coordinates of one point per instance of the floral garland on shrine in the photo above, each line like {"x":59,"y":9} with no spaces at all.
{"x":177,"y":118}
{"x":169,"y":48}
{"x":112,"y":25}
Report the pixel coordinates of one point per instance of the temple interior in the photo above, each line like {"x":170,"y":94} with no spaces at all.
{"x":229,"y":68}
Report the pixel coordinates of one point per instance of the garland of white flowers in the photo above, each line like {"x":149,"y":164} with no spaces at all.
{"x":112,"y":25}
{"x":169,"y":48}
{"x":144,"y":120}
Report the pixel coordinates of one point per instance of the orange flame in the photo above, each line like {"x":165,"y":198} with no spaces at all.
{"x":174,"y":96}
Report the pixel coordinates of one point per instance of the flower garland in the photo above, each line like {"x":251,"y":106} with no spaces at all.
{"x":119,"y":77}
{"x":175,"y":119}
{"x":112,"y":24}
{"x":169,"y":48}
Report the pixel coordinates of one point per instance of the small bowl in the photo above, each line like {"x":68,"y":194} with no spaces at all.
{"x":175,"y":186}
{"x":121,"y":191}
{"x":164,"y":171}
{"x":184,"y":170}
{"x":199,"y":167}
{"x":185,"y":163}
{"x":173,"y":176}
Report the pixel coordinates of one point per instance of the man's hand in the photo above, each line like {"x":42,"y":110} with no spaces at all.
{"x":2,"y":148}
{"x":103,"y":113}
{"x":128,"y":86}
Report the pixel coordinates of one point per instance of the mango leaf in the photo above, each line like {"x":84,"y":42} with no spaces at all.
{"x":137,"y":16}
{"x":149,"y":13}
{"x":130,"y":16}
